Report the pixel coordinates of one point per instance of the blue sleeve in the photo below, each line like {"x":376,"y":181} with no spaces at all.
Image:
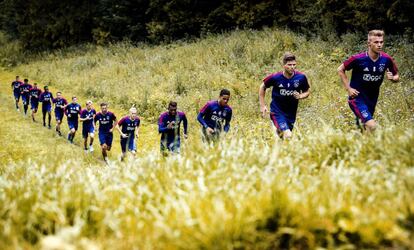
{"x":161,"y":126}
{"x":185,"y":124}
{"x":200,"y":116}
{"x":228,"y":119}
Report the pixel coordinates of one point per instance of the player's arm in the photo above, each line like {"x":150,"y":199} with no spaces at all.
{"x":82,"y":116}
{"x":262,"y":94}
{"x":115,"y":122}
{"x":392,"y":72}
{"x":303,"y":95}
{"x":137,"y":130}
{"x":200,"y":116}
{"x":227,"y":123}
{"x":185,"y":124}
{"x":118,"y":127}
{"x":161,"y":126}
{"x":345,"y":81}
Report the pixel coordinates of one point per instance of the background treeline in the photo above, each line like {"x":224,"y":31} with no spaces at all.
{"x":44,"y":24}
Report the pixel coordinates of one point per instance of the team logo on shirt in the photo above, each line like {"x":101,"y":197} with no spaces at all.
{"x":280,"y":85}
{"x":366,"y":69}
{"x":371,"y":78}
{"x":296,"y":83}
{"x":364,"y":113}
{"x":382,"y":67}
{"x":283,"y":125}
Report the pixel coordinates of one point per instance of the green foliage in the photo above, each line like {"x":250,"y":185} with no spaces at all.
{"x":48,"y":24}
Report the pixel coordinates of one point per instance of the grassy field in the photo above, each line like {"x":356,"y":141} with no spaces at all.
{"x":328,"y":187}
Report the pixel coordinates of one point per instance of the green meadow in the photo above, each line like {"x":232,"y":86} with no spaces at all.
{"x":329,"y":187}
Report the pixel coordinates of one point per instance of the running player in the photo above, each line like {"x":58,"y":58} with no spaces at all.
{"x":34,"y":99}
{"x":169,"y":128}
{"x":88,"y":127}
{"x":25,"y":94}
{"x":107,"y":122}
{"x":368,"y":69}
{"x":72,"y":111}
{"x":289,"y":86}
{"x":46,"y":99}
{"x":60,"y":105}
{"x":215,"y":117}
{"x":128,"y":127}
{"x":16,"y":90}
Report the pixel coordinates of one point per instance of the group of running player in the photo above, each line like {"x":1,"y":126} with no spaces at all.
{"x":288,"y":87}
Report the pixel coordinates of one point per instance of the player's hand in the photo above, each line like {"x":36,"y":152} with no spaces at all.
{"x":297,"y":95}
{"x":264,"y":111}
{"x":124,"y":135}
{"x":390,"y":76}
{"x":170,"y":125}
{"x":210,"y":131}
{"x":352,"y":92}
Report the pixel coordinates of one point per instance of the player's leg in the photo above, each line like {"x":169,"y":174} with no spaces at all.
{"x":124,"y":142}
{"x":16,"y":98}
{"x":132,"y":147}
{"x":25,"y":104}
{"x":44,"y":111}
{"x":363,"y":113}
{"x":49,"y":117}
{"x":34,"y":106}
{"x":102,"y":141}
{"x":85,"y":138}
{"x":281,"y":125}
{"x":91,"y":138}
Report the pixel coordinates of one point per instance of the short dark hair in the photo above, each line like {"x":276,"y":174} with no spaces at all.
{"x":46,"y":87}
{"x":35,"y":83}
{"x":73,"y":97}
{"x":26,"y":80}
{"x":172,"y":104}
{"x":288,"y":57}
{"x":224,"y":92}
{"x":17,"y":76}
{"x":104,"y":104}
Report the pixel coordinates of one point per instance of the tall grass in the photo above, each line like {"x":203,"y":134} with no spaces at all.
{"x":330,"y":186}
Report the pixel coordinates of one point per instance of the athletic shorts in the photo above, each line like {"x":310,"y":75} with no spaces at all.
{"x":106,"y":138}
{"x":58,"y":114}
{"x":25,"y":99}
{"x":86,"y":130}
{"x":362,"y":111}
{"x":16,"y":95}
{"x":281,"y":122}
{"x":73,"y":124}
{"x":46,"y":107}
{"x":172,"y":146}
{"x":34,"y":104}
{"x":130,"y":141}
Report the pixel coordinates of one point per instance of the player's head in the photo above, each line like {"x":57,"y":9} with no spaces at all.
{"x":224,"y":97}
{"x":133,"y":113}
{"x":58,"y":95}
{"x":26,"y":80}
{"x":74,"y":99}
{"x":289,"y":62}
{"x":89,"y":104}
{"x":35,"y":85}
{"x":375,"y":40}
{"x":46,"y":88}
{"x":104,"y":107}
{"x":172,"y":108}
{"x":17,"y":78}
